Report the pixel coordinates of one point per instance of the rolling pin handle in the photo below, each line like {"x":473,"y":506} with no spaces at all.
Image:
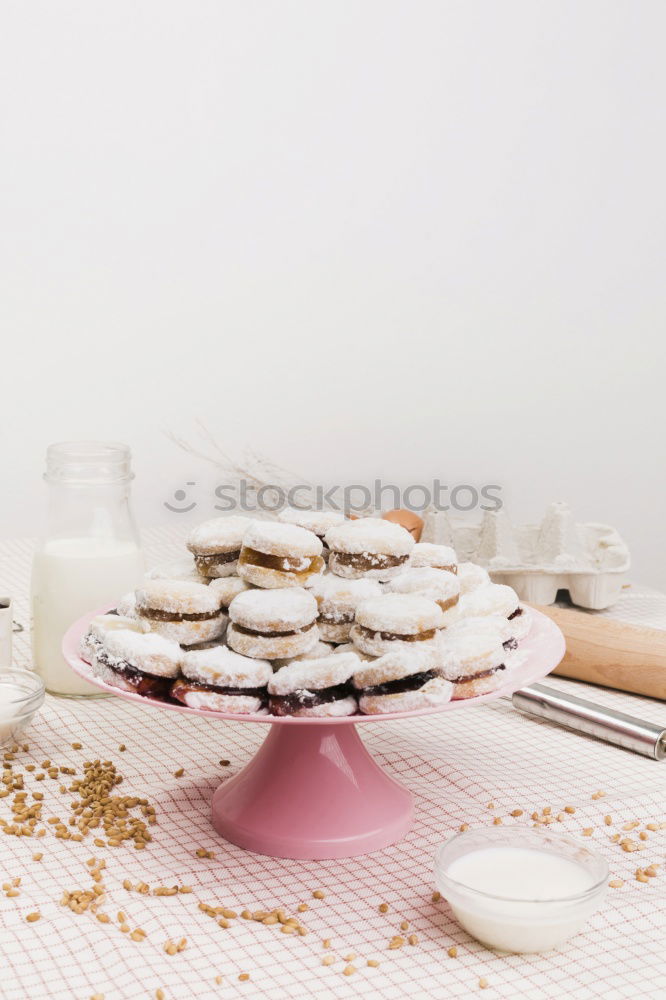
{"x":586,"y":717}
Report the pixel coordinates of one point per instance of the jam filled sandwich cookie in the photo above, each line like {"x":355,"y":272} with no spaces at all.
{"x":425,"y":554}
{"x":369,"y":547}
{"x":471,"y":576}
{"x":497,"y":599}
{"x":396,"y":621}
{"x":401,"y":681}
{"x":439,"y":585}
{"x":186,"y":612}
{"x":223,"y":681}
{"x":100,"y":626}
{"x":142,"y":662}
{"x":279,"y":555}
{"x":216,"y":545}
{"x":273,"y":624}
{"x":474,"y":662}
{"x":496,"y":626}
{"x":315,"y":687}
{"x":338,"y":599}
{"x":226,"y":588}
{"x":317,"y":521}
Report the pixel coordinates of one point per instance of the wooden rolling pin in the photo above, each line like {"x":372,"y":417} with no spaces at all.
{"x":611,"y":653}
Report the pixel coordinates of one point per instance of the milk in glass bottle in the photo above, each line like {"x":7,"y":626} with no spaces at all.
{"x":90,"y":553}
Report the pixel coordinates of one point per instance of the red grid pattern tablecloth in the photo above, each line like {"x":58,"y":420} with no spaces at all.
{"x":455,"y":764}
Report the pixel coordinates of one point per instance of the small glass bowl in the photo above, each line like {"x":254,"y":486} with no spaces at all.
{"x":517,"y":924}
{"x":21,"y":695}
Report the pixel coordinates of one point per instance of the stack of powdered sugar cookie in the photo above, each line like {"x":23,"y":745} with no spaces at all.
{"x":313,"y":615}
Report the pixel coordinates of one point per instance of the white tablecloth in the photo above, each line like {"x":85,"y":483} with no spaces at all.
{"x":455,"y":764}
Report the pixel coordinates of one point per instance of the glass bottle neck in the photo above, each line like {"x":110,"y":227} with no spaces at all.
{"x":88,"y":463}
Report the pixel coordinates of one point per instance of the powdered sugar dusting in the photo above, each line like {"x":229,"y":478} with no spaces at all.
{"x":223,"y":667}
{"x":470,"y":653}
{"x":284,"y":646}
{"x":320,"y":650}
{"x":428,"y":554}
{"x":370,"y":534}
{"x":273,"y":610}
{"x":339,"y":708}
{"x":126,"y":606}
{"x":493,"y":599}
{"x":319,"y":521}
{"x":145,"y":651}
{"x":471,"y":576}
{"x":178,"y":596}
{"x":374,"y":571}
{"x":395,"y":665}
{"x":228,"y":587}
{"x":496,"y":625}
{"x":180,"y":569}
{"x":335,"y":593}
{"x":313,"y":675}
{"x":217,"y":701}
{"x":434,"y":692}
{"x":349,"y":647}
{"x":404,"y":614}
{"x":100,"y":625}
{"x":190,"y":633}
{"x":282,"y":539}
{"x":437,"y":584}
{"x":219,"y":534}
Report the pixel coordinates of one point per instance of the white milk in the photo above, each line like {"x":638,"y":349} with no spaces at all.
{"x":71,"y":576}
{"x":535,"y":914}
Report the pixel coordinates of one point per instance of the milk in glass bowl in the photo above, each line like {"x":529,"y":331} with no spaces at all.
{"x":520,"y":889}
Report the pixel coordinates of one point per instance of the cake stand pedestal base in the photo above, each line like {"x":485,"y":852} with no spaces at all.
{"x":312,"y":792}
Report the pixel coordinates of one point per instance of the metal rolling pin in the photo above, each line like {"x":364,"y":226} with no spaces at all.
{"x":582,"y":716}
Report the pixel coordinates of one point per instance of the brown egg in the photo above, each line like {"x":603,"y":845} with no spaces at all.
{"x":408,"y":520}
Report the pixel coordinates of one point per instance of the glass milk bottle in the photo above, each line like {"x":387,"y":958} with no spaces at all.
{"x":90,"y":554}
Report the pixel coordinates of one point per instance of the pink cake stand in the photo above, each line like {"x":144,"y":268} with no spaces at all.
{"x":312,"y":790}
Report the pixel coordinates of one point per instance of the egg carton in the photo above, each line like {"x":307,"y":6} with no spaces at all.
{"x":589,"y":560}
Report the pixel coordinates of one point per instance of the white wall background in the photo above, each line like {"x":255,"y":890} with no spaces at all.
{"x":365,"y":237}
